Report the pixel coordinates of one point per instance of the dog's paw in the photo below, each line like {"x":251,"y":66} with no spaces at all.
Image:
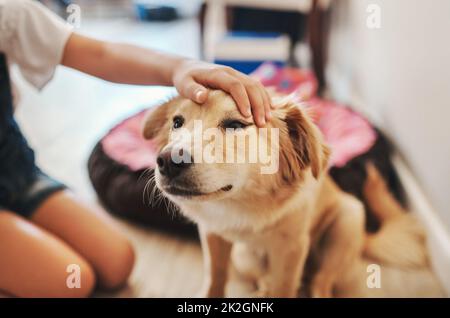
{"x":202,"y":294}
{"x":263,"y":289}
{"x":261,"y":293}
{"x":210,"y":292}
{"x":321,"y":288}
{"x":321,"y":292}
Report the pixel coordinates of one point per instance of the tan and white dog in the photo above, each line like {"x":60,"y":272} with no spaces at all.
{"x":272,"y":220}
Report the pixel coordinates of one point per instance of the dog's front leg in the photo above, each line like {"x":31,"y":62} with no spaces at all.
{"x":342,"y":245}
{"x":286,"y":263}
{"x":216,"y":256}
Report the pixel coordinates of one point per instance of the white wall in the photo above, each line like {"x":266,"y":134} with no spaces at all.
{"x":401,"y":75}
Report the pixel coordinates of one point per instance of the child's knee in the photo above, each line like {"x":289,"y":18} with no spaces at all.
{"x":46,"y":267}
{"x":118,"y":267}
{"x":81,"y":284}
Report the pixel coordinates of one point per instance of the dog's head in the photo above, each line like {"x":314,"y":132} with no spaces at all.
{"x":209,"y":152}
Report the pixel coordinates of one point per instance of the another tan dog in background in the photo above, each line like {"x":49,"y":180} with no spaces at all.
{"x":272,"y":220}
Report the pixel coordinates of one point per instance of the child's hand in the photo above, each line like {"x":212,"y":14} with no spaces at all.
{"x":191,"y":79}
{"x":124,"y":63}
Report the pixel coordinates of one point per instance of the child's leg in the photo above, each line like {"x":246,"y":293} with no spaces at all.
{"x":33,"y":262}
{"x":91,"y":232}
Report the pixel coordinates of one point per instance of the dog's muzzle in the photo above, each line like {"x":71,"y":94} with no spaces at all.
{"x":171,"y":169}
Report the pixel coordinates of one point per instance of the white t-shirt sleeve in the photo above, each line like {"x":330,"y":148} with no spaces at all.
{"x":32,"y":37}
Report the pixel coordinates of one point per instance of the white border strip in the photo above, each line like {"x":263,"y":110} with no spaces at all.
{"x":438,"y":239}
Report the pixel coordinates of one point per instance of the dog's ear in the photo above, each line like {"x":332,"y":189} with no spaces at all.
{"x":153,"y":121}
{"x":156,"y":120}
{"x":306,"y":147}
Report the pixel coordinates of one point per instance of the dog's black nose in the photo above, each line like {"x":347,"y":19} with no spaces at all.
{"x":172,"y":166}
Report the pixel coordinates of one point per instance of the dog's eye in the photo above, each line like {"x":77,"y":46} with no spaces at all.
{"x":178,"y":121}
{"x":234,"y":124}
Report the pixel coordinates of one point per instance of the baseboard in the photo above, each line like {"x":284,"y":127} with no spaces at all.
{"x":438,"y":239}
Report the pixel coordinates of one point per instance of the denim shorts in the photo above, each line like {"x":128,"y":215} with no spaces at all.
{"x":23,"y":186}
{"x":25,"y":198}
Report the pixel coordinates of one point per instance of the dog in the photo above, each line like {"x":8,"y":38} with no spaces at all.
{"x":271,"y":220}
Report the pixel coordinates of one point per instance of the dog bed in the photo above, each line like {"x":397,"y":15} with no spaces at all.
{"x":122,"y":162}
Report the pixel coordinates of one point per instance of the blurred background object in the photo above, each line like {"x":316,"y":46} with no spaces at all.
{"x":246,"y":51}
{"x":301,"y":20}
{"x":166,"y":10}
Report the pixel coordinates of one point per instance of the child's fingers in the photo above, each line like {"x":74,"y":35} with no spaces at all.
{"x":269,"y":99}
{"x":267,"y":108}
{"x":248,"y":93}
{"x":267,"y":102}
{"x":261,"y":102}
{"x":242,"y":99}
{"x":194,"y":91}
{"x":231,"y":85}
{"x":257,"y":102}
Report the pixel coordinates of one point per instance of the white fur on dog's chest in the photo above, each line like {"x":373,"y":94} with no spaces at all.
{"x":237,"y":224}
{"x":222,"y":218}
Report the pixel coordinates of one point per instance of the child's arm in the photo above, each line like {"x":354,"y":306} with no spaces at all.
{"x":124,"y":63}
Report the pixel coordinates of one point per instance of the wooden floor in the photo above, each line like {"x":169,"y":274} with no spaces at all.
{"x":66,"y":119}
